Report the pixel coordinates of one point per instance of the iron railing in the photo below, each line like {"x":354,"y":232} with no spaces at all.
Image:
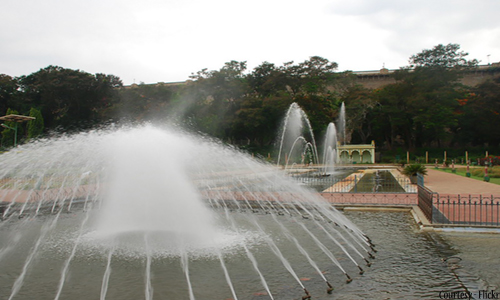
{"x":466,"y":210}
{"x":425,"y":197}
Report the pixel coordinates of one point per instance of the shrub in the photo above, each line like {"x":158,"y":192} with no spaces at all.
{"x":493,"y":172}
{"x":412,"y":170}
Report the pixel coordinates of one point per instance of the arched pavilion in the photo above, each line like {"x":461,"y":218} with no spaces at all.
{"x":356,"y":153}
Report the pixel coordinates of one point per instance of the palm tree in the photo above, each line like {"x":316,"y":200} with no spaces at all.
{"x":412,"y":171}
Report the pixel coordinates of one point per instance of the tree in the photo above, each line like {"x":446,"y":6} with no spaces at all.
{"x":69,"y":98}
{"x":311,"y":77}
{"x":8,"y":134}
{"x":266,"y":80}
{"x":479,"y":114}
{"x":429,"y":89}
{"x":360,"y":104}
{"x":216,"y":96}
{"x":36,"y":126}
{"x":317,"y":74}
{"x":448,"y":57}
{"x":8,"y":92}
{"x":257,"y":120}
{"x":145,"y":102}
{"x":393,"y":116}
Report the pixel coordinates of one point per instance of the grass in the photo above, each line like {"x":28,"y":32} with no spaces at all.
{"x":476,"y":173}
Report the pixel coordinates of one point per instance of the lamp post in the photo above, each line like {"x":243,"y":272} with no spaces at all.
{"x":486,"y":177}
{"x":16,"y":119}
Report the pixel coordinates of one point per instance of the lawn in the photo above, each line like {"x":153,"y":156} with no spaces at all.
{"x":476,"y":173}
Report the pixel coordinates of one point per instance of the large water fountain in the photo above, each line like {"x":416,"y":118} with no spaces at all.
{"x":330,"y":149}
{"x":297,"y":144}
{"x":149,"y":212}
{"x":296,"y":138}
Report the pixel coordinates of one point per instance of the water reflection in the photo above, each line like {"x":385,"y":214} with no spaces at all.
{"x":409,"y":262}
{"x":480,"y":258}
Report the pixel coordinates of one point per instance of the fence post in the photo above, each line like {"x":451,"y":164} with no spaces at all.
{"x":420,"y":179}
{"x":498,"y":213}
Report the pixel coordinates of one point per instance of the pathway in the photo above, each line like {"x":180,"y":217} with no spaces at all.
{"x":448,"y":183}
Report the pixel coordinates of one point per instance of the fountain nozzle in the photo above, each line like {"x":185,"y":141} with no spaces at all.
{"x":329,"y":290}
{"x":367,"y":238}
{"x":349,"y":279}
{"x":361,"y":271}
{"x":369,"y":264}
{"x":307,"y":296}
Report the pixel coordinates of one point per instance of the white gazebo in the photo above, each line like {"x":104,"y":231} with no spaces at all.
{"x":356,"y":153}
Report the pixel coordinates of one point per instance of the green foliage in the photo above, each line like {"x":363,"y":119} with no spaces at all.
{"x":247,"y":108}
{"x":421,"y":107}
{"x":69,"y":98}
{"x":9,"y":93}
{"x":479,"y":113}
{"x":426,"y":106}
{"x":442,"y":57}
{"x":144,"y":102}
{"x":360,"y":106}
{"x":8,"y":134}
{"x":493,"y":172}
{"x":414,"y":169}
{"x":36,"y":126}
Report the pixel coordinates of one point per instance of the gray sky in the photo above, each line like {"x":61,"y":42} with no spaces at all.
{"x":166,"y":40}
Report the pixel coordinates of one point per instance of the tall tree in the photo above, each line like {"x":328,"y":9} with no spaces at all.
{"x":36,"y":126}
{"x":266,"y":80}
{"x":9,"y":134}
{"x":360,"y":104}
{"x":429,"y":89}
{"x":145,"y":102}
{"x":216,"y":96}
{"x":479,"y":115}
{"x":442,"y":56}
{"x":9,"y":93}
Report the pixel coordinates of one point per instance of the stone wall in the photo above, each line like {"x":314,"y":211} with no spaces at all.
{"x":378,"y":79}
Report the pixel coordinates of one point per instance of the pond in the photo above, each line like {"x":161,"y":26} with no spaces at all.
{"x":409,"y":264}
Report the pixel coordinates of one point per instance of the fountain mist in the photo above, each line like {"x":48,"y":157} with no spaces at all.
{"x":296,"y":127}
{"x":341,"y":125}
{"x":330,"y":149}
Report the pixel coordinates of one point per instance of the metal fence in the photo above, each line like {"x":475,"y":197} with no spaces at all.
{"x":459,"y":209}
{"x":425,"y":198}
{"x":466,"y":209}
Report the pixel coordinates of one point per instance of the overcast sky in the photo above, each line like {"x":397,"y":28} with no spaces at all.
{"x":166,"y":40}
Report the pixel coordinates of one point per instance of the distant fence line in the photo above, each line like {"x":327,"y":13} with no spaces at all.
{"x":360,"y":183}
{"x":371,"y":199}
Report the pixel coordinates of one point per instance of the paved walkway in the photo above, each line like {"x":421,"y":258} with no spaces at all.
{"x":448,"y":183}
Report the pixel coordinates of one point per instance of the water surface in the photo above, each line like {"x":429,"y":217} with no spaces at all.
{"x":408,"y":265}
